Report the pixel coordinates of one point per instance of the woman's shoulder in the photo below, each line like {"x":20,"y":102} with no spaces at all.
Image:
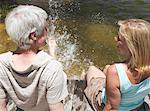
{"x":112,"y":77}
{"x":113,"y":68}
{"x":112,"y":71}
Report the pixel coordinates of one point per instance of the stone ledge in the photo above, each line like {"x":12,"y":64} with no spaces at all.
{"x":76,"y":100}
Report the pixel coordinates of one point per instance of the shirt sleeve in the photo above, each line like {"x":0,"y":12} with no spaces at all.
{"x":57,"y":86}
{"x":2,"y":92}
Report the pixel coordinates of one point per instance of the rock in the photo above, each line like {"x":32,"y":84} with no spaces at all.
{"x":76,"y":100}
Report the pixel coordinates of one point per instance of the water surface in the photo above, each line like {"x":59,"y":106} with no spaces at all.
{"x":84,"y":30}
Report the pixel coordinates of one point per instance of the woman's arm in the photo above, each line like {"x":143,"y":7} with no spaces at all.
{"x":3,"y":105}
{"x":112,"y":89}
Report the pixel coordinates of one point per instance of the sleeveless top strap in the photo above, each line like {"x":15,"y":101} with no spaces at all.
{"x":123,"y":78}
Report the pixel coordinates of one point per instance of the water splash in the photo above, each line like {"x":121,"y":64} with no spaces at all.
{"x":68,"y":52}
{"x":66,"y":48}
{"x":63,"y":8}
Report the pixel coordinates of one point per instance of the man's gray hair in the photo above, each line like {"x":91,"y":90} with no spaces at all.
{"x":22,"y":21}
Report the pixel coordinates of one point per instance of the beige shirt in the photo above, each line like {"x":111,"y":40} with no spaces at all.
{"x":43,"y":83}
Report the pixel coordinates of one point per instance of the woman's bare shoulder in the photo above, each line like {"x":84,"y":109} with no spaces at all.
{"x":112,"y":69}
{"x":112,"y":76}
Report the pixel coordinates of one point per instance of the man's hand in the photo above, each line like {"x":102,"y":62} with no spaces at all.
{"x":56,"y":107}
{"x":3,"y":105}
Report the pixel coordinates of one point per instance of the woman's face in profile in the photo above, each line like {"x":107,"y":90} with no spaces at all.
{"x":122,"y":45}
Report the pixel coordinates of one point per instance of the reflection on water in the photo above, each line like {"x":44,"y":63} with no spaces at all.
{"x":93,"y":25}
{"x":113,"y":10}
{"x":84,"y":30}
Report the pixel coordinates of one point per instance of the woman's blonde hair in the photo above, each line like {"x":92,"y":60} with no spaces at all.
{"x":137,"y":36}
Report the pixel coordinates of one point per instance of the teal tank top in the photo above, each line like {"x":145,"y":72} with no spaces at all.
{"x":132,"y":95}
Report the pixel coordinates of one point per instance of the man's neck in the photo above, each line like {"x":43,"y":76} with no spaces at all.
{"x":26,"y":51}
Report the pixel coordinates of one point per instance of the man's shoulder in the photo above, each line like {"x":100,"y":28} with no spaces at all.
{"x":53,"y":71}
{"x":54,"y":65}
{"x":5,"y":55}
{"x":5,"y":58}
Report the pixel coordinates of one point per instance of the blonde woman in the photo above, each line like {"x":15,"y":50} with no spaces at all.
{"x":123,"y":86}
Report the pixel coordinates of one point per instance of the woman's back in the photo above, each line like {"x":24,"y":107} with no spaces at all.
{"x":132,"y":91}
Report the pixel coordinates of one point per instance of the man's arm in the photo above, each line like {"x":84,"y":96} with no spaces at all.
{"x":3,"y":105}
{"x":56,"y":107}
{"x":112,"y":90}
{"x":57,"y":88}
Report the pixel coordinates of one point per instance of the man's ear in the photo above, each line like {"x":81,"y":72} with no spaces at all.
{"x":32,"y":36}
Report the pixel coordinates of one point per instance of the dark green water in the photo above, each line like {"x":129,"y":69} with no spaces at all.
{"x":91,"y":26}
{"x":94,"y":22}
